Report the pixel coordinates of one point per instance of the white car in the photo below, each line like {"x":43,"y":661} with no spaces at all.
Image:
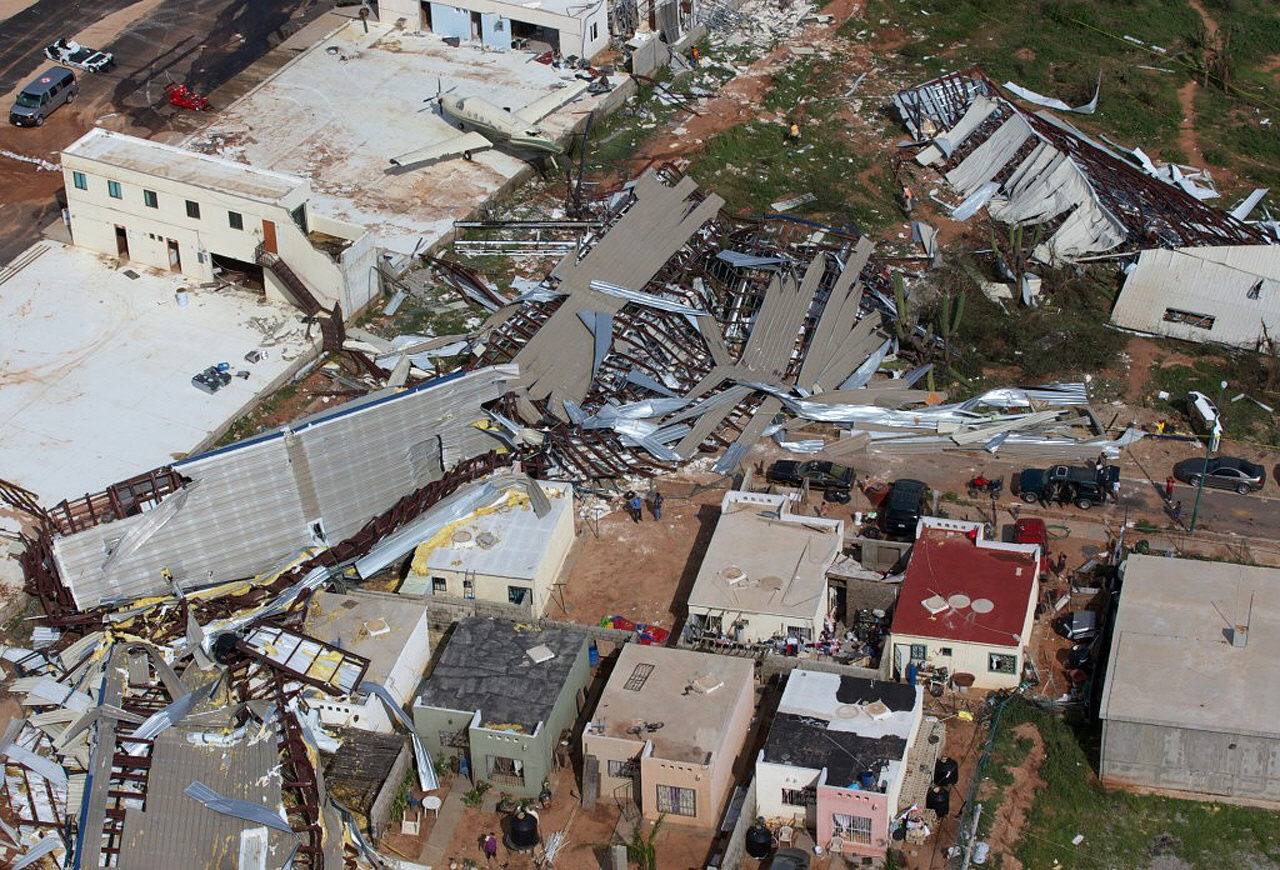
{"x":1204,"y":417}
{"x":72,"y":53}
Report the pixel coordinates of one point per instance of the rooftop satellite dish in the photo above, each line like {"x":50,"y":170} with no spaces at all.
{"x":982,"y":605}
{"x":958,"y":601}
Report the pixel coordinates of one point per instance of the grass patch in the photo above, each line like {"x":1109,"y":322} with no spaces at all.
{"x":252,"y":422}
{"x":1244,"y":373}
{"x":1065,"y":337}
{"x":1122,"y":829}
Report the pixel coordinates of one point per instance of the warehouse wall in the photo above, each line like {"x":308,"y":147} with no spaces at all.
{"x":1185,"y":759}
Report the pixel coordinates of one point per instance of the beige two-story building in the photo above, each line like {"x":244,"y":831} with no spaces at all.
{"x":210,"y":218}
{"x":667,"y":730}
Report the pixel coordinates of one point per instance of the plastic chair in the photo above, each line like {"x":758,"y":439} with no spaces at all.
{"x":786,"y":834}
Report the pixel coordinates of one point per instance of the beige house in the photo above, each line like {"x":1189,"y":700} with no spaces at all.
{"x":764,"y":574}
{"x":503,"y":553}
{"x":966,"y":604}
{"x":206,"y":217}
{"x":668,"y":728}
{"x":389,"y":632}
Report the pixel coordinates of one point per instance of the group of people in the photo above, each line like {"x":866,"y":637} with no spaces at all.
{"x":635,"y":504}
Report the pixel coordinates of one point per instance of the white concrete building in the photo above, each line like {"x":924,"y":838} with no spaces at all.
{"x":764,"y":574}
{"x":390,"y":632}
{"x":183,"y":211}
{"x":504,"y":553}
{"x":966,"y":604}
{"x":580,"y":29}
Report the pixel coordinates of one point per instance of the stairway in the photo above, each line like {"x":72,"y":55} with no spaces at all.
{"x":300,"y":295}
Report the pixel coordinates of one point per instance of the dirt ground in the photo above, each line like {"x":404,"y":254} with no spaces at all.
{"x":1011,"y":814}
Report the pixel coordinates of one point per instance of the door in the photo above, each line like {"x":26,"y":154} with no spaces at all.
{"x":122,"y":242}
{"x":475,"y":25}
{"x":269,"y":236}
{"x":175,"y":256}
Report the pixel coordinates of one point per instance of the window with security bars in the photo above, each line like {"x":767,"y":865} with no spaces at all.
{"x":800,"y":797}
{"x":635,"y":682}
{"x":676,"y":801}
{"x":855,"y":829}
{"x":623,"y":769}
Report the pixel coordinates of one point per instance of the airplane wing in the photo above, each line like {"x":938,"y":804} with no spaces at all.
{"x":461,"y":144}
{"x":539,"y":109}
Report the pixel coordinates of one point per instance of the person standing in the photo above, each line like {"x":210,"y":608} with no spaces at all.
{"x":655,"y":504}
{"x":490,"y":847}
{"x":634,"y":506}
{"x":1168,"y":488}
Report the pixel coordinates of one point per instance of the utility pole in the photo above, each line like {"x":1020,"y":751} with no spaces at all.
{"x":1204,"y":469}
{"x":971,"y":839}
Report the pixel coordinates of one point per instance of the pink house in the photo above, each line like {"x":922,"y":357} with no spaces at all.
{"x":835,"y":759}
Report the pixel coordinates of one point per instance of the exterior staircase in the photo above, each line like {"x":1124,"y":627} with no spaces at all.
{"x":298,"y":292}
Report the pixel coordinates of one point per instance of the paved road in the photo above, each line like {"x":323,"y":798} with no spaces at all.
{"x":24,"y":36}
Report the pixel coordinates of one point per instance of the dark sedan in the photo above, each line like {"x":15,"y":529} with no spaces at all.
{"x":1222,"y":472}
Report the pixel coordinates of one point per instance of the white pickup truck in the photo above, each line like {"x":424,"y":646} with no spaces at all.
{"x":74,"y":54}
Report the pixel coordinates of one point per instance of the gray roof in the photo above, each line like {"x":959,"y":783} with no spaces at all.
{"x":486,"y":667}
{"x":1172,"y":657}
{"x":249,"y":506}
{"x":175,"y":829}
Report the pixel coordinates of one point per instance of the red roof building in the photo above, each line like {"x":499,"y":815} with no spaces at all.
{"x":966,"y":604}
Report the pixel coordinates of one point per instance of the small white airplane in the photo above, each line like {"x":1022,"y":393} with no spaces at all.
{"x":489,"y":126}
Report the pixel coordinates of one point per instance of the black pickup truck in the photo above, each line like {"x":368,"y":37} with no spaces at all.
{"x":835,"y":481}
{"x":1084,"y":487}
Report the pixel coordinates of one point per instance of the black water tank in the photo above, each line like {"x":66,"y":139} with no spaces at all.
{"x":939,"y":800}
{"x":522,"y":832}
{"x":946,"y":771}
{"x":759,"y":839}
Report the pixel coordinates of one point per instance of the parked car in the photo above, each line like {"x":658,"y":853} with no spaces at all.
{"x":903,"y":507}
{"x":74,"y":54}
{"x":1205,"y":419}
{"x":834,"y":481}
{"x":1222,"y":472}
{"x":38,"y":99}
{"x":1084,"y":487}
{"x":1032,"y":530}
{"x":1080,"y":625}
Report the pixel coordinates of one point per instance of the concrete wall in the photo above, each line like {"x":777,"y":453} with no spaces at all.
{"x":380,"y":811}
{"x":534,"y":751}
{"x":771,"y":779}
{"x":584,"y":34}
{"x":763,"y":626}
{"x":865,"y":804}
{"x":95,"y":214}
{"x":366,"y":712}
{"x":970,"y":658}
{"x":492,"y":588}
{"x":606,"y":749}
{"x":1202,"y":762}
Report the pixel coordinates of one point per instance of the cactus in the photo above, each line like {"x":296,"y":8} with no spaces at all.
{"x":929,"y":382}
{"x":900,"y":325}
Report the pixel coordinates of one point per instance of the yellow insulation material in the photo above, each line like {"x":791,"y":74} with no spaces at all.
{"x":422,"y":555}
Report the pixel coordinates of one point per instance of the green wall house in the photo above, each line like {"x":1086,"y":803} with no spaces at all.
{"x":500,"y":696}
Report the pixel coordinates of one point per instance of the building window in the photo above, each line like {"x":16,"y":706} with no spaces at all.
{"x":439,"y":586}
{"x":623,"y":769}
{"x":677,"y":801}
{"x":505,"y":770}
{"x":1190,"y":318}
{"x":919,"y":652}
{"x":193,"y":209}
{"x":150,"y":199}
{"x":113,"y":190}
{"x":78,"y":179}
{"x":299,"y":216}
{"x":944,"y":651}
{"x":235,"y":220}
{"x":639,"y":675}
{"x":595,"y":31}
{"x":855,"y":829}
{"x":999,"y":663}
{"x":468,"y":589}
{"x":800,"y":797}
{"x":516,"y":594}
